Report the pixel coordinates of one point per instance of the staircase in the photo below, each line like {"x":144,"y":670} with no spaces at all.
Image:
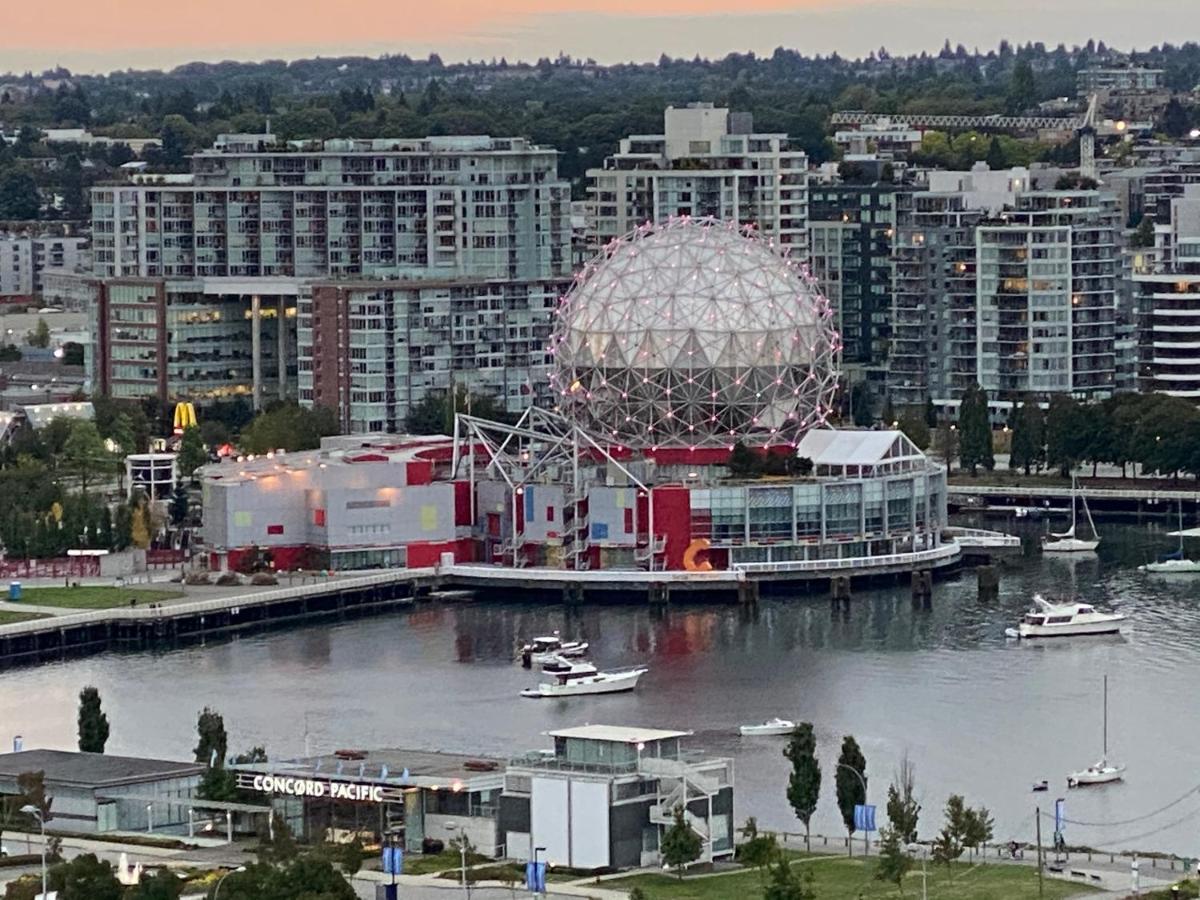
{"x":679,"y":784}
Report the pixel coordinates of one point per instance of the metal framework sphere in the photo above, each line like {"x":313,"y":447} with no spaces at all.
{"x":694,"y":333}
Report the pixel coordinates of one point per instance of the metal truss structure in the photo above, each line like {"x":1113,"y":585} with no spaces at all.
{"x":542,"y":447}
{"x":694,"y":333}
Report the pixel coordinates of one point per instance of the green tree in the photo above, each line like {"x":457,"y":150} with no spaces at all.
{"x":1028,"y":448}
{"x":40,"y":336}
{"x":192,"y":454}
{"x":32,"y":788}
{"x":85,"y":453}
{"x":912,"y":423}
{"x":310,"y":876}
{"x":288,"y":426}
{"x":979,"y":828}
{"x":1022,"y":90}
{"x":894,"y":861}
{"x":179,"y":503}
{"x":949,"y":844}
{"x":1062,"y":421}
{"x":850,"y":781}
{"x":123,"y":528}
{"x":213,"y":745}
{"x":903,"y":810}
{"x":139,"y":522}
{"x":93,"y":722}
{"x":786,"y":884}
{"x":161,"y":885}
{"x":756,"y":849}
{"x":975,"y":430}
{"x":1143,"y":235}
{"x":680,"y":844}
{"x":19,"y":196}
{"x":744,"y":462}
{"x":804,"y":781}
{"x":85,"y":878}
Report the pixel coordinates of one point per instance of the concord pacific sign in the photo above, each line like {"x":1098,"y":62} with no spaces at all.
{"x":357,"y":792}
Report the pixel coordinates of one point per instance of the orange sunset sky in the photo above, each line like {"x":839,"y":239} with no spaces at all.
{"x":100,"y":35}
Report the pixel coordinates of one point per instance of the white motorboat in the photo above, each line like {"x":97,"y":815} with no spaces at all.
{"x":1102,"y":772}
{"x":1048,"y":619}
{"x":771,"y":726}
{"x":1067,"y":541}
{"x":1175,"y":563}
{"x":583,"y":678}
{"x":544,"y":649}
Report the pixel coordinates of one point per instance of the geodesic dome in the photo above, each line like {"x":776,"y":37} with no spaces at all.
{"x":694,"y":333}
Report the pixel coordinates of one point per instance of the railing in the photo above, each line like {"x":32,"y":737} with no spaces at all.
{"x":936,"y":554}
{"x":216,"y":604}
{"x":1061,"y":492}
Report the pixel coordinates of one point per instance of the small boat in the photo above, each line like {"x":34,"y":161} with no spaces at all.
{"x":1102,"y":772}
{"x":1067,"y":541}
{"x":1042,"y":785}
{"x":583,"y":678}
{"x":544,"y":649}
{"x":1048,"y":619}
{"x":1174,"y":563}
{"x":771,"y":726}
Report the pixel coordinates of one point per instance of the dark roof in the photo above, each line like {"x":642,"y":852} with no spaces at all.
{"x":92,"y":769}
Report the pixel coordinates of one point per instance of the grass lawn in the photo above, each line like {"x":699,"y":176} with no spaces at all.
{"x":7,"y":618}
{"x":840,"y":878}
{"x":428,"y":863}
{"x":92,"y":597}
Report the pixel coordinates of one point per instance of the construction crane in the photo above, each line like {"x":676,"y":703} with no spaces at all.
{"x":1087,"y":140}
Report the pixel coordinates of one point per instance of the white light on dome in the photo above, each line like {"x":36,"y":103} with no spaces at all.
{"x":691,"y":330}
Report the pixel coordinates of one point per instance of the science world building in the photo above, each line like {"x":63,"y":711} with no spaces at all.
{"x":694,"y":366}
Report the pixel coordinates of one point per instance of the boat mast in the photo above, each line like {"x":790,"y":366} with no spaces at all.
{"x":1072,"y":505}
{"x":1106,"y":718}
{"x":1091,"y":523}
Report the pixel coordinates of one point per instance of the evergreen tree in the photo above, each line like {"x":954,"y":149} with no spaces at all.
{"x":894,"y":862}
{"x":680,"y":844}
{"x":786,"y":884}
{"x":104,"y":528}
{"x":1062,"y":420}
{"x":850,"y":781}
{"x":804,"y":782}
{"x":1028,"y":448}
{"x":1022,"y":90}
{"x":93,"y":723}
{"x":123,"y":528}
{"x":214,"y":742}
{"x":192,"y":454}
{"x":975,"y":448}
{"x":903,"y":810}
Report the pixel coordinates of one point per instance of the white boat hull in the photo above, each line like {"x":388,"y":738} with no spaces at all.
{"x":767,"y":729}
{"x":601,"y":683}
{"x":1111,"y":625}
{"x":1069,"y":545}
{"x":1107,"y":775}
{"x":1173,"y":567}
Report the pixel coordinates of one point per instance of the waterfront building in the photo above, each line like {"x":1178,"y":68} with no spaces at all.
{"x":1006,"y":286}
{"x":25,"y":257}
{"x":1167,"y":287}
{"x":606,"y":795}
{"x":663,"y":364}
{"x":204,"y":272}
{"x":707,"y":162}
{"x":95,"y":793}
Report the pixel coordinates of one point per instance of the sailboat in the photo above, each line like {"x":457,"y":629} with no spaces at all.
{"x":1174,"y":563}
{"x":1067,"y":542}
{"x":1102,"y":772}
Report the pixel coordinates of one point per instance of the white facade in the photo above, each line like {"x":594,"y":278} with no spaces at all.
{"x":708,"y":162}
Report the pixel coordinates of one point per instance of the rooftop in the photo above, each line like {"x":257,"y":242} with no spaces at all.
{"x":618,"y":733}
{"x":70,"y":767}
{"x":844,"y":447}
{"x":424,"y":768}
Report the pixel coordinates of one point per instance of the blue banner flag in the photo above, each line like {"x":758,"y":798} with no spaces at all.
{"x":535,"y":877}
{"x":864,"y":818}
{"x":393,"y":860}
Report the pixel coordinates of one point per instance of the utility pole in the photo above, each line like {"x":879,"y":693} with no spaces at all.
{"x":1037,"y":817}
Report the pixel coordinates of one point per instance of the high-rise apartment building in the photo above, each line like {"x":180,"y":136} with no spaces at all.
{"x":1167,"y":287}
{"x":707,"y":162}
{"x":231,"y":248}
{"x":1006,"y":286}
{"x":851,"y":231}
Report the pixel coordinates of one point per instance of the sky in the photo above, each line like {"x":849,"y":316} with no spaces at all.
{"x":104,"y":35}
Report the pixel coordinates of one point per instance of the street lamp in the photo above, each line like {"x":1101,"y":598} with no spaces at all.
{"x":866,"y":834}
{"x":220,"y":881}
{"x":924,"y":851}
{"x":30,"y":810}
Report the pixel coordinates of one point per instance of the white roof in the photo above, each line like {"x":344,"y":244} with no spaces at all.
{"x":837,"y":447}
{"x":40,"y":414}
{"x":618,"y":733}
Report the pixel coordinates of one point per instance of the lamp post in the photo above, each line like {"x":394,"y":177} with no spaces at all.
{"x":221,"y":880}
{"x":462,"y":849}
{"x":863,"y":781}
{"x":924,"y":851}
{"x":30,"y":810}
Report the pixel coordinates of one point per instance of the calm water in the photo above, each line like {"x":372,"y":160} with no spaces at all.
{"x":978,"y":715}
